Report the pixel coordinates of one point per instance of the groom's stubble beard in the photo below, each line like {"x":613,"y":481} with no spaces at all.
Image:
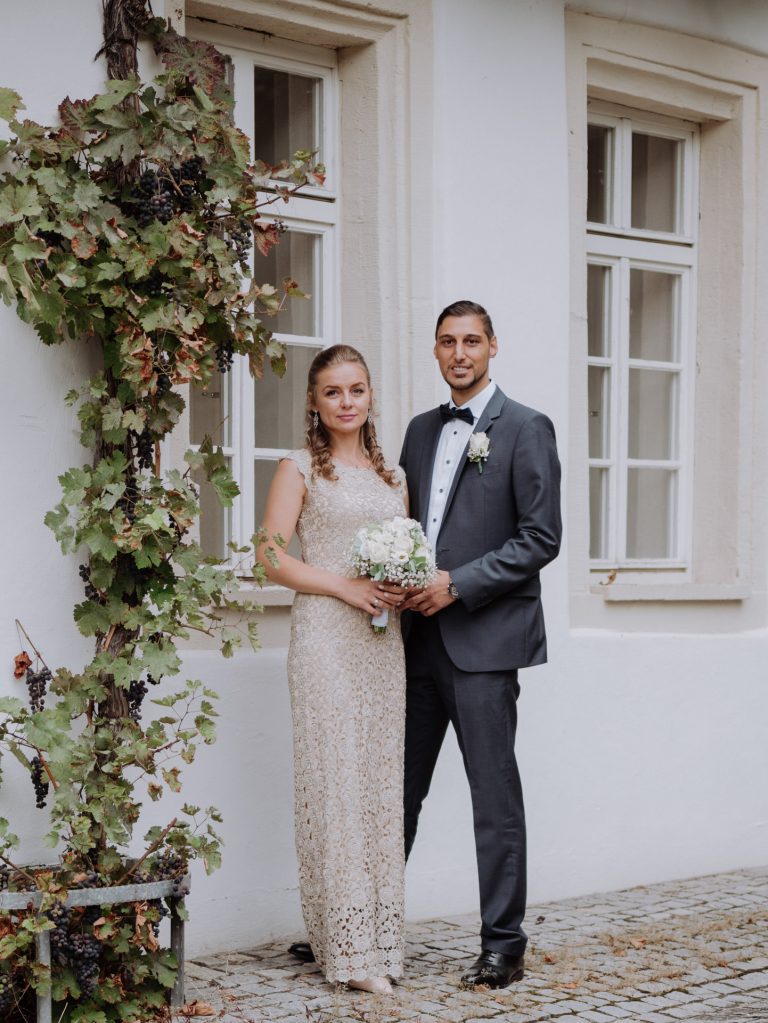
{"x":468,"y":382}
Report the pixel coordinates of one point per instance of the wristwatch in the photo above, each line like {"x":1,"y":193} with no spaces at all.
{"x":452,"y":589}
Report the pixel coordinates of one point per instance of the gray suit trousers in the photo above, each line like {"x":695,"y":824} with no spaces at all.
{"x":482,"y":707}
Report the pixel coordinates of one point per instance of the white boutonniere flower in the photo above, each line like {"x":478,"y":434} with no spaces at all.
{"x":479,"y":446}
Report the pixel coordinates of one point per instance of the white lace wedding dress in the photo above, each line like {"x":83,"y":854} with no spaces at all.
{"x":347,"y":687}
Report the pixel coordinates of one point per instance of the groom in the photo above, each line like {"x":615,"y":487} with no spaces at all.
{"x":490,"y":506}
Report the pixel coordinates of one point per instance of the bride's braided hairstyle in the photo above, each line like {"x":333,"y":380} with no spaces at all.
{"x":318,"y":440}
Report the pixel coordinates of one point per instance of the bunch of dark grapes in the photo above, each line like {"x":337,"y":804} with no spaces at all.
{"x":91,"y":593}
{"x":7,"y":995}
{"x":158,"y":195}
{"x":154,"y":282}
{"x":37,"y":687}
{"x":169,"y":866}
{"x":225,"y":355}
{"x":60,"y":915}
{"x":127,"y":503}
{"x":85,"y":957}
{"x":136,"y":693}
{"x":154,"y":197}
{"x":40,"y":782}
{"x":89,"y":879}
{"x":187,"y":178}
{"x":241,"y":236}
{"x":163,"y":384}
{"x":162,"y":912}
{"x":4,"y":875}
{"x":145,"y":449}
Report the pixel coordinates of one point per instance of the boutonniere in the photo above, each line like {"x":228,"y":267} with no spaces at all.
{"x":479,"y":446}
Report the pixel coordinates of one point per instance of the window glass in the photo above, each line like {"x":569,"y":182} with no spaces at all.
{"x":651,"y":500}
{"x":652,"y":417}
{"x":295,"y":257}
{"x":215,"y":521}
{"x":599,"y":150}
{"x":653,"y":315}
{"x":654,"y":182}
{"x":287,"y":114}
{"x":280,"y":404}
{"x":598,"y":513}
{"x":599,"y":401}
{"x":598,"y":297}
{"x":264,"y":471}
{"x":209,"y":411}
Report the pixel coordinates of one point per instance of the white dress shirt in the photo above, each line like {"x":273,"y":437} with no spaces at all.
{"x":450,"y":448}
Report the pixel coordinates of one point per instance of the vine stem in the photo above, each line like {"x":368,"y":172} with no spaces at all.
{"x":21,"y":870}
{"x":26,"y":636}
{"x":155,"y":845}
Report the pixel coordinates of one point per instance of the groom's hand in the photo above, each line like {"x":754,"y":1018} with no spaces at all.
{"x":432,"y":598}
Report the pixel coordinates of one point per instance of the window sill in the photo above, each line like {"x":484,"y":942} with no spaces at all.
{"x":267,"y":596}
{"x":667,"y":592}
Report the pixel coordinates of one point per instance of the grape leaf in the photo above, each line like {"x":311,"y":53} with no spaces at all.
{"x":10,"y":103}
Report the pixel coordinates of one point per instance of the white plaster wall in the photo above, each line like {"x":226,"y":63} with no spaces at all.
{"x":743,"y":23}
{"x":643,"y":755}
{"x":46,"y":53}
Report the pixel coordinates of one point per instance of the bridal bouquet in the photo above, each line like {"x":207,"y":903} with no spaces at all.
{"x":396,"y":550}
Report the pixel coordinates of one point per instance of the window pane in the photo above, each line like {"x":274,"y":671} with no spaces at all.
{"x":280,"y":403}
{"x":653,"y":315}
{"x":264,"y":471}
{"x":215,"y":521}
{"x":598,"y":305}
{"x":599,"y":151}
{"x":598,"y":513}
{"x":287,"y":114}
{"x":599,"y":402}
{"x":295,"y":256}
{"x":650,"y":513}
{"x":654,"y":182}
{"x":652,"y":397}
{"x":209,"y":411}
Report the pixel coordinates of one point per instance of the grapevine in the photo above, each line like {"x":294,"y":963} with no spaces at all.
{"x":136,"y":224}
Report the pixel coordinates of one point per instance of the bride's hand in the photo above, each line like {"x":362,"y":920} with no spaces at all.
{"x":370,"y":596}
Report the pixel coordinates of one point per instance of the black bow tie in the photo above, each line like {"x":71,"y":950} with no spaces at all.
{"x":449,"y":412}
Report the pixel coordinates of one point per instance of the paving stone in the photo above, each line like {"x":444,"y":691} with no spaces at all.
{"x":690,"y":950}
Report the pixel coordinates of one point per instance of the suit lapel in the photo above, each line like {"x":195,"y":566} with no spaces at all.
{"x":490,"y":413}
{"x":427,"y":466}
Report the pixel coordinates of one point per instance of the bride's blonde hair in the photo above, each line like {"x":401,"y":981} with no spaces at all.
{"x":317,"y":437}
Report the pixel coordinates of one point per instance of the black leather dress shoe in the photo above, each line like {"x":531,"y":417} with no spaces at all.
{"x":302,"y":950}
{"x":494,"y":969}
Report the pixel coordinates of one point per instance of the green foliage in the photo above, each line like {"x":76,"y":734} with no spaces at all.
{"x":127,"y":226}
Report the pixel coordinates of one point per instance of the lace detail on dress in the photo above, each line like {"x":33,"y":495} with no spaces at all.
{"x":347,"y":688}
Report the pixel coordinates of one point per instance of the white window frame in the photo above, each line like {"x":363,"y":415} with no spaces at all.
{"x":621,"y":247}
{"x":317,"y":210}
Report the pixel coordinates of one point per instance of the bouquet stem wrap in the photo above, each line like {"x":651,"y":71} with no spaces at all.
{"x":379,"y":623}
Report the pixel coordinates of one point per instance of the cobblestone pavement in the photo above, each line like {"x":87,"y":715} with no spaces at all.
{"x":693,"y":950}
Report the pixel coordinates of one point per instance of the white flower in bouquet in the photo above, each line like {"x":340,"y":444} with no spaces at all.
{"x":395,"y":550}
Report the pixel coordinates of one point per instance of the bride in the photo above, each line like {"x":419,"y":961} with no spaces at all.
{"x":347,"y":684}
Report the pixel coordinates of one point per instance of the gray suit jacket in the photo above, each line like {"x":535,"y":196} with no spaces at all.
{"x":499,"y":529}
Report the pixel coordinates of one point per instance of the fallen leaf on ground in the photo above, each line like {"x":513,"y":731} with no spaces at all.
{"x":197,"y":1008}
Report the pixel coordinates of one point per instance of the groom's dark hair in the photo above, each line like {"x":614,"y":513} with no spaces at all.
{"x":466,"y":308}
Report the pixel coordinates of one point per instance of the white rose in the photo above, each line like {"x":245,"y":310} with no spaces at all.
{"x":377,"y":552}
{"x":479,"y":445}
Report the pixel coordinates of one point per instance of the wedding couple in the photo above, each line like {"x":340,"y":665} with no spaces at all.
{"x":491,"y":511}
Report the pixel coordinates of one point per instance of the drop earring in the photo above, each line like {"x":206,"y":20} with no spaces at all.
{"x":370,"y":417}
{"x":315,"y":420}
